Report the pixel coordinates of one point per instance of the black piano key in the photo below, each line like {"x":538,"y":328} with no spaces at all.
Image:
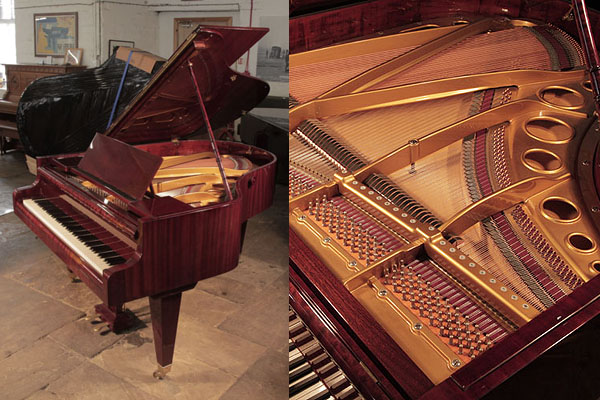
{"x":70,"y":222}
{"x":115,"y":260}
{"x":94,"y":243}
{"x":303,"y":384}
{"x":103,"y":249}
{"x":300,"y":371}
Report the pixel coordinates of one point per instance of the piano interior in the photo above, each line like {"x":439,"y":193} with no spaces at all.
{"x":442,"y":173}
{"x":193,"y":179}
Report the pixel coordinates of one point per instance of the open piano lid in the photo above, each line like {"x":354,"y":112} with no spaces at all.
{"x":168,"y":106}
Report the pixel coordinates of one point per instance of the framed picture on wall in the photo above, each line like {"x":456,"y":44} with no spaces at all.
{"x":54,"y":33}
{"x":273,"y":55}
{"x":113,"y":44}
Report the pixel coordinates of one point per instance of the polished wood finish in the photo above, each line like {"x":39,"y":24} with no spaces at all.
{"x":135,"y":180}
{"x":315,"y":30}
{"x":330,"y":334}
{"x":168,"y":106}
{"x":19,"y":76}
{"x":177,"y":245}
{"x":182,"y":27}
{"x":165,"y":312}
{"x":172,"y":245}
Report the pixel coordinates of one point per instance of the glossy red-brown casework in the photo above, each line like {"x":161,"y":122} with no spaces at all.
{"x":173,"y":245}
{"x":168,"y":107}
{"x":315,"y":23}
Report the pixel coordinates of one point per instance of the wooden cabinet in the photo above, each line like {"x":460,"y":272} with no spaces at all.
{"x":19,"y":76}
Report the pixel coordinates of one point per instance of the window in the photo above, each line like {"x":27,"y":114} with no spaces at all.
{"x":8,"y":48}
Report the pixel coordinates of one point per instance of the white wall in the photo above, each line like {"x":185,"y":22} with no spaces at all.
{"x":24,"y":10}
{"x":148,"y":23}
{"x":134,"y":23}
{"x":166,"y":25}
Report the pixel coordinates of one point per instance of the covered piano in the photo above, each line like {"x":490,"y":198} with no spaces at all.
{"x":155,"y":218}
{"x":444,"y":198}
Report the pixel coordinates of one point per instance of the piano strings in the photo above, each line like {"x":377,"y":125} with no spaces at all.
{"x":387,"y":187}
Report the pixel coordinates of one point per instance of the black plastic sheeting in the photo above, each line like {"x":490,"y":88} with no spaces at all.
{"x":61,"y":114}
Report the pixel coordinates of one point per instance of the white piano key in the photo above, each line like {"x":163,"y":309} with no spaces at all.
{"x":91,"y":258}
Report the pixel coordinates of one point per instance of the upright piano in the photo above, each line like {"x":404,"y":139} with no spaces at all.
{"x":19,"y":77}
{"x":444,"y":199}
{"x":155,"y":218}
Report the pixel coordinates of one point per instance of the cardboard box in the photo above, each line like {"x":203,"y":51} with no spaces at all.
{"x":140,"y":59}
{"x":31,"y":164}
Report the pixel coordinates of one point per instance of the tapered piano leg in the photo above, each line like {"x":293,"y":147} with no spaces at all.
{"x":165,"y":313}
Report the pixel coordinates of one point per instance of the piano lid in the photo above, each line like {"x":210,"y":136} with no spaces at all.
{"x":168,"y":107}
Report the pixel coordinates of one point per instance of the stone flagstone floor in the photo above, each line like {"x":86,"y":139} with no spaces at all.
{"x":232,"y":333}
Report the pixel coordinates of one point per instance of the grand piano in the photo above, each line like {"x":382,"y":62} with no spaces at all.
{"x":155,"y":218}
{"x":444,"y":200}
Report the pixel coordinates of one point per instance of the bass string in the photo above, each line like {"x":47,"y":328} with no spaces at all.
{"x":480,"y":246}
{"x":504,"y":50}
{"x":332,"y":73}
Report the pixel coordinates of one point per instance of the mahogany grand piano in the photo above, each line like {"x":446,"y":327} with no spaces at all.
{"x":155,"y":218}
{"x":426,"y":260}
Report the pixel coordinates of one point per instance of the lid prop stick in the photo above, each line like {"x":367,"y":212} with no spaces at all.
{"x":213,"y":142}
{"x":589,"y":47}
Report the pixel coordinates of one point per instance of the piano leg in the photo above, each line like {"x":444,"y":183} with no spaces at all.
{"x":165,"y":313}
{"x":116,"y":317}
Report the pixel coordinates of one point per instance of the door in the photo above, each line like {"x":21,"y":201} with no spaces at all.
{"x":185,"y":26}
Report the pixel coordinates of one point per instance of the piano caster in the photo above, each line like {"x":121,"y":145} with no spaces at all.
{"x":161,"y":372}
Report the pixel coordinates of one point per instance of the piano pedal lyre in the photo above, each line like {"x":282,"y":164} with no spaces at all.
{"x":74,"y":278}
{"x":118,"y":319}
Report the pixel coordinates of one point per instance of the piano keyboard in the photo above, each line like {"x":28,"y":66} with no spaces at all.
{"x":313,"y":374}
{"x":99,"y":248}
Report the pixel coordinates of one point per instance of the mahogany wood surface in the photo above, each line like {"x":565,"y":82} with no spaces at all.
{"x":451,"y":389}
{"x":379,"y":351}
{"x":319,"y":29}
{"x":165,"y":313}
{"x":168,"y":107}
{"x":172,"y":245}
{"x":133,"y":180}
{"x":19,"y":76}
{"x":177,"y":245}
{"x":529,"y":342}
